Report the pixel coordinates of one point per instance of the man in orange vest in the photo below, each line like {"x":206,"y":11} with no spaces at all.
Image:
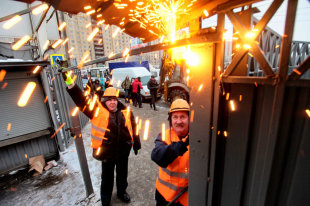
{"x":112,"y":136}
{"x":171,"y":154}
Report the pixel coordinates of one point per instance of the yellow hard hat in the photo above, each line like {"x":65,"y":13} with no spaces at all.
{"x":110,"y":92}
{"x":179,"y":105}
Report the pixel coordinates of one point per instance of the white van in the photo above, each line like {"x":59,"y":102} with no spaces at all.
{"x":119,"y":75}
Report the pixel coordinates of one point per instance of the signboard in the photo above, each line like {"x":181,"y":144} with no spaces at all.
{"x":54,"y":57}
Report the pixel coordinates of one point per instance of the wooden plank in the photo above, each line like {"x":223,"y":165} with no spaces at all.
{"x":287,"y":38}
{"x":301,"y":69}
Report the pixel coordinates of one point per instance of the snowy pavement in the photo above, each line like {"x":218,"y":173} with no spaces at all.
{"x":63,"y":184}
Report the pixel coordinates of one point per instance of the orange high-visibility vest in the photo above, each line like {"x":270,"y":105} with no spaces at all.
{"x":173,"y":179}
{"x":99,"y":126}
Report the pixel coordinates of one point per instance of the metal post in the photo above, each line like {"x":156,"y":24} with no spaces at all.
{"x":81,"y":155}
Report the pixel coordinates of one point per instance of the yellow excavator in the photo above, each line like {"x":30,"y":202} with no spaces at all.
{"x":172,"y":82}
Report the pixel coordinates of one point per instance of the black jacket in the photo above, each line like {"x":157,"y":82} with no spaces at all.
{"x":119,"y":141}
{"x":152,"y":85}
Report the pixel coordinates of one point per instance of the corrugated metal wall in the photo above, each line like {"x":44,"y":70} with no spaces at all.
{"x":17,"y":155}
{"x":253,"y":169}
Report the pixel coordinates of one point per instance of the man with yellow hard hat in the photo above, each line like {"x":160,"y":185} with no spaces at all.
{"x":112,"y":136}
{"x":171,"y":154}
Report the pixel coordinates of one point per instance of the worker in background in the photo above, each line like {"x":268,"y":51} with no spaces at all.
{"x":126,"y":86}
{"x":107,"y":83}
{"x":136,"y":88}
{"x":152,"y":85}
{"x":98,"y":88}
{"x":171,"y":153}
{"x":112,"y":137}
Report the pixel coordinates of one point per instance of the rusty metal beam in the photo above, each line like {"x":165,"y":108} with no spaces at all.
{"x":249,"y":80}
{"x":300,"y":70}
{"x":25,"y":11}
{"x":235,"y":61}
{"x":287,"y":39}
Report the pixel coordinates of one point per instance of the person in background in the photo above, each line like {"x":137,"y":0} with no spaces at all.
{"x":102,"y":82}
{"x":171,"y":154}
{"x":113,"y":134}
{"x":98,"y":88}
{"x":152,"y":85}
{"x":107,"y":83}
{"x":136,"y":87}
{"x":126,"y":86}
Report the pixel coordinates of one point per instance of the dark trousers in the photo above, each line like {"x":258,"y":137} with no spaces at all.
{"x":107,"y":179}
{"x":160,"y":200}
{"x":153,"y":100}
{"x":127,"y":95}
{"x":136,"y":97}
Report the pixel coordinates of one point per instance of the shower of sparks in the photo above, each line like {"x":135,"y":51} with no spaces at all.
{"x":163,"y":129}
{"x":200,"y":87}
{"x":126,"y":51}
{"x":90,"y":12}
{"x":98,"y":151}
{"x":83,"y":59}
{"x":97,"y":112}
{"x":232,"y":105}
{"x":146,"y":129}
{"x":59,"y":128}
{"x":87,"y":7}
{"x":36,"y":69}
{"x":4,"y":85}
{"x":88,"y":25}
{"x":126,"y":59}
{"x":26,"y":156}
{"x":57,"y":43}
{"x":46,"y":98}
{"x":9,"y":126}
{"x":23,"y":100}
{"x":100,"y":22}
{"x":225,"y":133}
{"x":2,"y":74}
{"x":308,"y":112}
{"x":92,"y":104}
{"x":39,"y":9}
{"x":240,"y":98}
{"x":21,"y":42}
{"x":106,"y":27}
{"x":140,"y":123}
{"x":227,"y":96}
{"x":93,"y":34}
{"x":116,"y":32}
{"x":206,"y":13}
{"x":62,"y":26}
{"x":111,"y":55}
{"x":192,"y":116}
{"x":11,"y":22}
{"x":71,"y":49}
{"x":76,"y":109}
{"x":99,"y":41}
{"x":46,"y":44}
{"x":66,"y":40}
{"x":99,"y":15}
{"x":297,"y":72}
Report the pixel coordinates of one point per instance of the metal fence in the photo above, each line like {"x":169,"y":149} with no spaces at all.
{"x":63,"y":104}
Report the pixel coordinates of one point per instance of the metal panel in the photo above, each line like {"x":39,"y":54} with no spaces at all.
{"x":31,"y":118}
{"x":14,"y":156}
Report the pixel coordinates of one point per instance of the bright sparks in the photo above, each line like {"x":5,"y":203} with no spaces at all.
{"x":59,"y":128}
{"x":97,"y":112}
{"x":90,"y":12}
{"x":36,"y":69}
{"x":206,"y":13}
{"x":98,"y":151}
{"x":9,"y":127}
{"x":23,"y":100}
{"x":232,"y":105}
{"x":66,"y":40}
{"x":57,"y":43}
{"x":126,"y":51}
{"x":146,"y":129}
{"x":111,"y":55}
{"x":250,"y":35}
{"x":200,"y":87}
{"x":163,"y":130}
{"x":2,"y":74}
{"x":93,"y":34}
{"x":225,"y":133}
{"x":247,"y":46}
{"x":99,"y":41}
{"x":71,"y":49}
{"x":308,"y":112}
{"x":83,"y":59}
{"x":92,"y":104}
{"x":116,"y":32}
{"x":297,"y":72}
{"x":192,"y":116}
{"x":88,"y":25}
{"x":21,"y":42}
{"x":62,"y":26}
{"x":76,"y":109}
{"x":46,"y":44}
{"x":11,"y":22}
{"x":39,"y":9}
{"x":87,"y":7}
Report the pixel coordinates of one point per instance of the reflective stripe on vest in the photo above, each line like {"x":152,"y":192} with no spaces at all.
{"x":174,"y":178}
{"x":170,"y":186}
{"x":127,"y":115}
{"x":97,"y":128}
{"x":183,"y":175}
{"x":97,"y":138}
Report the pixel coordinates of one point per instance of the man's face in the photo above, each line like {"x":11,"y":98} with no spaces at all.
{"x":111,"y":104}
{"x":180,"y":123}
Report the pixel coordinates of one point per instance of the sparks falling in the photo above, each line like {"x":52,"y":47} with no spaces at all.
{"x":63,"y":124}
{"x":21,"y":42}
{"x":308,"y":112}
{"x":11,"y":22}
{"x":93,"y":34}
{"x":146,"y":129}
{"x":39,"y":9}
{"x":62,"y":26}
{"x":23,"y":100}
{"x":163,"y":130}
{"x":76,"y":109}
{"x":232,"y":105}
{"x":57,"y":43}
{"x":2,"y":74}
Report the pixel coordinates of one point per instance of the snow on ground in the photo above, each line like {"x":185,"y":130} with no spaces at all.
{"x":63,"y":184}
